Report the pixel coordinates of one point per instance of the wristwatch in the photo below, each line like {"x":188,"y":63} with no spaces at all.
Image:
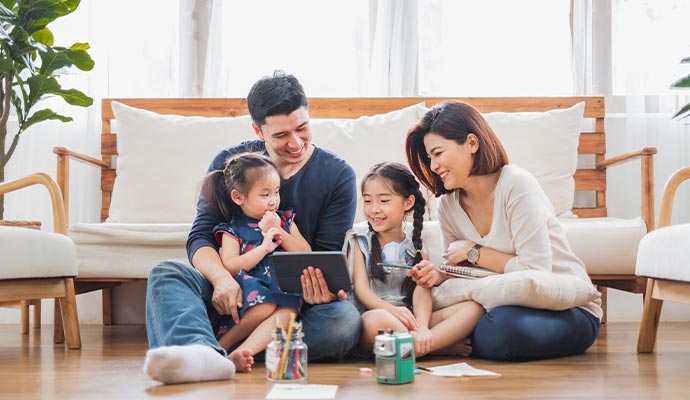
{"x":473,"y":254}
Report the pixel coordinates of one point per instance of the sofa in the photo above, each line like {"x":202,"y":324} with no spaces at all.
{"x":155,"y":152}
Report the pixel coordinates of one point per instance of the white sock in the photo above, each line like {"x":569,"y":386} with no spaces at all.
{"x":192,"y":363}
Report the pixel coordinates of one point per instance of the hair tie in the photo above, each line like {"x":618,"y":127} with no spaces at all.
{"x":419,"y":250}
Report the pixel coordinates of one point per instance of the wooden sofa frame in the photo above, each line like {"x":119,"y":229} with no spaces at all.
{"x":586,"y":179}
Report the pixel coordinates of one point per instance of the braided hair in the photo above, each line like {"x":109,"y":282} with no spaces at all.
{"x":240,"y":173}
{"x":399,"y":178}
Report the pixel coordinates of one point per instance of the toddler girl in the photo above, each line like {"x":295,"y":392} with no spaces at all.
{"x":246,"y":193}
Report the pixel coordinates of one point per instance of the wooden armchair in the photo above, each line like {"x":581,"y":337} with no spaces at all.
{"x":40,"y":265}
{"x":664,"y":260}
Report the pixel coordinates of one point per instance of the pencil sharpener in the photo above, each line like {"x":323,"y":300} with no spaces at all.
{"x":394,"y":357}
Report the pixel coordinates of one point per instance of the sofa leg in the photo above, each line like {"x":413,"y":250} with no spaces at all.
{"x":70,"y":318}
{"x":24,"y":307}
{"x":107,"y":295}
{"x":58,"y":331}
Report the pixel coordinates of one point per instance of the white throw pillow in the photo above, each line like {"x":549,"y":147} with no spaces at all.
{"x":162,"y":160}
{"x":534,"y":289}
{"x":545,"y":144}
{"x":367,"y":140}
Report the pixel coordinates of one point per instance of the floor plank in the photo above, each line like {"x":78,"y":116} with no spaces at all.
{"x":109,"y":366}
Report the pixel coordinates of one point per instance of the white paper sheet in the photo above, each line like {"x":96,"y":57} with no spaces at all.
{"x":299,"y":391}
{"x":460,"y":369}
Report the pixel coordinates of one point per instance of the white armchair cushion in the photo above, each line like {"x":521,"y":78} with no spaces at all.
{"x":162,"y":160}
{"x":665,"y":254}
{"x":29,"y":253}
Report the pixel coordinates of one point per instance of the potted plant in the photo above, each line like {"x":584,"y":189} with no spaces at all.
{"x":683,"y":83}
{"x":30,"y":64}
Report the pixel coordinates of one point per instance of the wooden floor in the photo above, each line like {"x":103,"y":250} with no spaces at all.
{"x":109,"y":366}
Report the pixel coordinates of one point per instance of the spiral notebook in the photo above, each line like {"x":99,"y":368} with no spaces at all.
{"x":466,"y":271}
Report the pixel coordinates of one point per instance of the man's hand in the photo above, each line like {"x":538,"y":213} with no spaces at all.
{"x":268,"y":221}
{"x":426,"y":275}
{"x":227,"y":297}
{"x":315,"y":290}
{"x":457,"y":251}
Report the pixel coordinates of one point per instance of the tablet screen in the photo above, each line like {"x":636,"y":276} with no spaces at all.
{"x":333,"y":265}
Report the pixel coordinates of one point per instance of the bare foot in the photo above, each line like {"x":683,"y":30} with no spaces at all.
{"x":461,"y":348}
{"x":243,"y":360}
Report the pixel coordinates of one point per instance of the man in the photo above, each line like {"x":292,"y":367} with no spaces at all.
{"x":185,"y":305}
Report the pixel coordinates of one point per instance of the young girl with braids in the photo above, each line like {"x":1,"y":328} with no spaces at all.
{"x":246,"y":194}
{"x":387,"y":298}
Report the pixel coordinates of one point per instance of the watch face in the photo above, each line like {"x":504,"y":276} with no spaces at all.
{"x":473,"y":255}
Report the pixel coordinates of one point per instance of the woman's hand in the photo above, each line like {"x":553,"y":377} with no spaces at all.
{"x":422,"y":338}
{"x":272,"y":239}
{"x":426,"y":275}
{"x":457,"y":251}
{"x":405,"y":316}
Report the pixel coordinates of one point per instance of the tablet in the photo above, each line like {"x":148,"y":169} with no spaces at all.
{"x":289,"y":267}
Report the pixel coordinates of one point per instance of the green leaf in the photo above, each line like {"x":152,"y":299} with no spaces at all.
{"x":75,"y":97}
{"x":44,"y":36}
{"x":6,"y":13}
{"x":36,"y":15}
{"x":40,"y":85}
{"x":685,"y":60}
{"x":17,"y":102}
{"x":685,"y":110}
{"x":80,"y":46}
{"x":43,"y":115}
{"x":56,"y":58}
{"x":681,"y":83}
{"x":6,"y":65}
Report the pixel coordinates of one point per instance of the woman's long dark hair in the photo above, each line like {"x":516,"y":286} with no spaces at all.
{"x":240,"y":173}
{"x":399,"y":178}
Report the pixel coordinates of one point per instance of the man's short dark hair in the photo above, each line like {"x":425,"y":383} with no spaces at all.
{"x":277,"y":94}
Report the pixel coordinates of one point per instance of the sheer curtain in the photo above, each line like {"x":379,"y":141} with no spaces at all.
{"x":629,"y":51}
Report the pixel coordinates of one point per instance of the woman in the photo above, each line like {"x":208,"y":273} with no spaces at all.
{"x":496,"y":215}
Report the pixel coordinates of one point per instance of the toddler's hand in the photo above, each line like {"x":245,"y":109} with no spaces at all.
{"x":268,"y":221}
{"x":426,"y":275}
{"x":272,"y":239}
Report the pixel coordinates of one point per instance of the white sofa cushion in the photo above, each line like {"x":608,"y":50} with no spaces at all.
{"x":535,"y":289}
{"x":157,"y":180}
{"x":29,"y":253}
{"x":147,"y":191}
{"x":545,"y":144}
{"x":665,"y":254}
{"x":107,"y":250}
{"x":367,"y":140}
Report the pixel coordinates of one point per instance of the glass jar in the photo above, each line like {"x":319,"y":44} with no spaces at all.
{"x":286,"y":361}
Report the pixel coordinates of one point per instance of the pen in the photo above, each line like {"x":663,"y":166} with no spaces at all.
{"x":395,"y":265}
{"x":423,"y":369}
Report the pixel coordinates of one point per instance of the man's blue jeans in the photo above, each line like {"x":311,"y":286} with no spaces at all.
{"x":179,"y":312}
{"x":520,"y":333}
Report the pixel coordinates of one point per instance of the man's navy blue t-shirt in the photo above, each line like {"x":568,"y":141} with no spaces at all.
{"x":322,"y":193}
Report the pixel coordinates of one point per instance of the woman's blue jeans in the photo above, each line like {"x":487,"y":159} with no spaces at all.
{"x":179,"y":312}
{"x":520,"y":333}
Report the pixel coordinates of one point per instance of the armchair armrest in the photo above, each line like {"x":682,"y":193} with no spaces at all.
{"x":647,"y":177}
{"x":672,"y":184}
{"x":63,"y":157}
{"x":59,"y":215}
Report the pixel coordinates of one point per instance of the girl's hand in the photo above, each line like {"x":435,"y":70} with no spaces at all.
{"x":405,"y":316}
{"x":457,"y":251}
{"x":268,"y":221}
{"x":422,"y":338}
{"x":426,"y":275}
{"x":272,"y":239}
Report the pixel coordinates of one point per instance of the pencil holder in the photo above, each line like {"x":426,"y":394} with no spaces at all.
{"x":286,"y":358}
